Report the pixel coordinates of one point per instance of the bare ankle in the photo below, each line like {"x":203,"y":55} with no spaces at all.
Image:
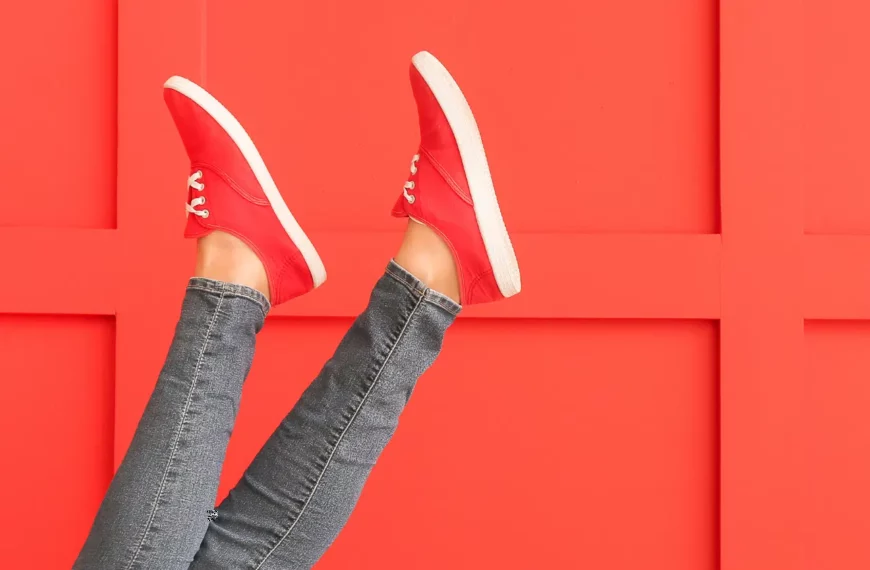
{"x":224,"y":257}
{"x":427,"y":257}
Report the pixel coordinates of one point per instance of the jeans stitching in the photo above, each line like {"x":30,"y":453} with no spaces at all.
{"x":231,"y":294}
{"x":178,"y":433}
{"x":359,"y":407}
{"x":437,"y":299}
{"x":402,"y":280}
{"x":431,"y":296}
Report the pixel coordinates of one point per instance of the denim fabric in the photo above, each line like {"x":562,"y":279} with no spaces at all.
{"x":300,"y":489}
{"x":154,"y":514}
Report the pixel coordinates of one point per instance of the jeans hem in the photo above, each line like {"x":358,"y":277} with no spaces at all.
{"x":230,"y":290}
{"x":417,"y":287}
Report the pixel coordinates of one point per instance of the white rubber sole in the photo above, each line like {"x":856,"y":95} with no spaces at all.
{"x":486,"y":210}
{"x":237,"y":133}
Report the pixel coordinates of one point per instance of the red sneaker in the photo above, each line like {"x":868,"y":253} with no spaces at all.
{"x":451,"y":190}
{"x":230,"y":189}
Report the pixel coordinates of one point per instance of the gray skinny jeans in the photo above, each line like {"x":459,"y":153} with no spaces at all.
{"x":300,"y":489}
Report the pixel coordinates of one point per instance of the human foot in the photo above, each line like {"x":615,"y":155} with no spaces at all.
{"x":451,"y":190}
{"x":427,"y":257}
{"x":224,"y":257}
{"x":231,"y":191}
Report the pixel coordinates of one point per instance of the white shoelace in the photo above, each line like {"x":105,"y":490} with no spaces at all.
{"x":409,"y":185}
{"x":193,"y":182}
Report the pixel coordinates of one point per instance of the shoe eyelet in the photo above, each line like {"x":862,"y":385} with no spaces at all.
{"x":411,"y":199}
{"x":205,"y":214}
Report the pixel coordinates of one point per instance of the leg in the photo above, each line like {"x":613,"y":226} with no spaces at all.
{"x":155,"y":512}
{"x":300,"y":489}
{"x":251,"y":252}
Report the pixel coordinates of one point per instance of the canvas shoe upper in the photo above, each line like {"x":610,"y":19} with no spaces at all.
{"x":231,"y":190}
{"x":451,"y":190}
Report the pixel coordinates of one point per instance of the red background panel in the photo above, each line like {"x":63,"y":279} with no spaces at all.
{"x":837,"y":437}
{"x":653,"y":398}
{"x":837,"y":120}
{"x":595,"y":443}
{"x":56,"y":421}
{"x":575,"y":98}
{"x":58,"y":118}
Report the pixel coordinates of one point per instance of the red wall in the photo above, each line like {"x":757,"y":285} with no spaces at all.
{"x":682,"y":384}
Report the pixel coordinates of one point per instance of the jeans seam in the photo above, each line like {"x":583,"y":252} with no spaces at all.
{"x":432,"y":296}
{"x":232,"y":294}
{"x":403,"y":282}
{"x":178,"y":433}
{"x":444,"y":303}
{"x":350,"y":423}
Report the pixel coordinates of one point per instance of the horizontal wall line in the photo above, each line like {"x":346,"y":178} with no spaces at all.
{"x":836,"y":277}
{"x":564,"y":276}
{"x":77,"y":271}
